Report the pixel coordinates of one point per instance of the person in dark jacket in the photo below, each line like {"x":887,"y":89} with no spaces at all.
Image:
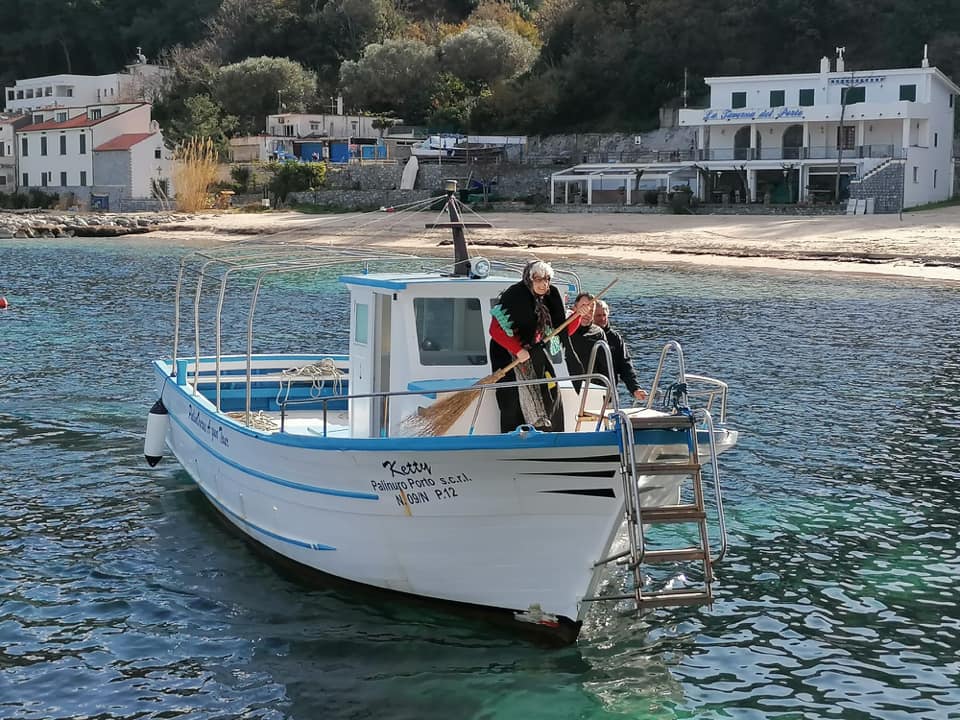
{"x":587,"y":335}
{"x":526,"y":313}
{"x":622,"y":365}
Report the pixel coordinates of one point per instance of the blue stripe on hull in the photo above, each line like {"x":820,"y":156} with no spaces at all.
{"x":272,"y":478}
{"x":290,"y":541}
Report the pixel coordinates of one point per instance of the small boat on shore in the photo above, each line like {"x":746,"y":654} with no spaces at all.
{"x":316,"y":456}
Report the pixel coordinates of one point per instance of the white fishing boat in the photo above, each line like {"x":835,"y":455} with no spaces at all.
{"x":318,"y":458}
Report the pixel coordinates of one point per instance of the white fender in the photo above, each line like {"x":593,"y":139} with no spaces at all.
{"x":154,"y":442}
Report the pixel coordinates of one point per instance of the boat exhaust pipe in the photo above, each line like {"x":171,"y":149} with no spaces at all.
{"x":158,"y":420}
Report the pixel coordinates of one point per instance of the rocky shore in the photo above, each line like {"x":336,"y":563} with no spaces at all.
{"x":50,"y":224}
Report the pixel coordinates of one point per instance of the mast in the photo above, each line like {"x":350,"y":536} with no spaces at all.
{"x":460,"y":257}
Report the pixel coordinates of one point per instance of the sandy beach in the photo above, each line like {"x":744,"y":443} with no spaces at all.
{"x":920,"y":244}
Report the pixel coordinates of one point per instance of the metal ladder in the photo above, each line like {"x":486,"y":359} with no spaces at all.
{"x":637,"y":555}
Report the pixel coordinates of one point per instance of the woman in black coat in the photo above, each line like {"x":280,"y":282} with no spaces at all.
{"x":527,"y":312}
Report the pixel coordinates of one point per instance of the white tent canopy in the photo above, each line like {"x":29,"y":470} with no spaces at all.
{"x":588,"y":177}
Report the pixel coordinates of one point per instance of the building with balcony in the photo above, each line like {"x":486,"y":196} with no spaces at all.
{"x":886,"y":134}
{"x":140,"y":81}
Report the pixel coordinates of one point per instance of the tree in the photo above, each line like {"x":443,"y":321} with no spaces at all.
{"x":351,"y":25}
{"x":486,"y":53}
{"x":201,"y":118}
{"x":256,"y":87}
{"x":395,"y":75}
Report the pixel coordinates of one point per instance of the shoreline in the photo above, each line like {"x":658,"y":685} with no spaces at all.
{"x":923,"y":245}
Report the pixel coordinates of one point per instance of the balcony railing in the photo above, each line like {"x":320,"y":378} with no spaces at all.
{"x":720,"y":154}
{"x":802,"y":153}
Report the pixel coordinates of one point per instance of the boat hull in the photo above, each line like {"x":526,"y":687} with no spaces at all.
{"x":513,"y":523}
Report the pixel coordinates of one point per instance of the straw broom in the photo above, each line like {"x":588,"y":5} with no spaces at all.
{"x":438,"y":418}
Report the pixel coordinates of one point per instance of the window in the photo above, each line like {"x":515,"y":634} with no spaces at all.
{"x":1,"y":150}
{"x":916,"y":174}
{"x":95,"y":113}
{"x":777,"y":98}
{"x":36,"y":119}
{"x":83,"y":144}
{"x":9,"y":94}
{"x":24,"y":149}
{"x":908,"y":92}
{"x":738,"y":100}
{"x":43,"y":179}
{"x":83,"y":178}
{"x":450,"y":331}
{"x":851,"y":95}
{"x":156,"y":153}
{"x":63,"y":144}
{"x":806,"y":97}
{"x":846,"y":137}
{"x":934,"y":177}
{"x":936,"y":139}
{"x":26,"y":180}
{"x":43,"y":144}
{"x":951,"y":100}
{"x":3,"y":179}
{"x":61,"y":117}
{"x":63,"y":179}
{"x":48,"y":91}
{"x":360,"y":323}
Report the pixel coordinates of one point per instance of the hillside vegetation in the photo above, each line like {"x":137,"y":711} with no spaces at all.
{"x":533,"y":66}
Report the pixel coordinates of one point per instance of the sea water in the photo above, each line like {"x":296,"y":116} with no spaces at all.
{"x":121,"y":596}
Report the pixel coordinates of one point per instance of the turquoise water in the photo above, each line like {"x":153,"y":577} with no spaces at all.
{"x":121,"y":596}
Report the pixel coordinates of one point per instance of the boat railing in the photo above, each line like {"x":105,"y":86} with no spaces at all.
{"x":604,"y":347}
{"x":386,"y":396}
{"x":708,"y":391}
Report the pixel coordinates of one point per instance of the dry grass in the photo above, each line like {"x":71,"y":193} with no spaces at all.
{"x":194,"y":172}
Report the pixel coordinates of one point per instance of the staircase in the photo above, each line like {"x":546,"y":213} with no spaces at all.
{"x":647,"y":431}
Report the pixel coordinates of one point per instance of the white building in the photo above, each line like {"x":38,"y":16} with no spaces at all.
{"x":111,"y":150}
{"x":785,"y":138}
{"x":285,"y":133}
{"x":139,"y":82}
{"x":8,"y":150}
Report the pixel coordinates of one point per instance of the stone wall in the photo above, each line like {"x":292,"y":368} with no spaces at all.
{"x":884,"y":185}
{"x":348,"y":199}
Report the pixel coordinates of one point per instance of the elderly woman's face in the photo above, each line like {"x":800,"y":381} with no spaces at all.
{"x":540,"y":283}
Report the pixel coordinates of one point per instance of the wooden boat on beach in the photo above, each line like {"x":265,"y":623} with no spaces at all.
{"x":313,"y":456}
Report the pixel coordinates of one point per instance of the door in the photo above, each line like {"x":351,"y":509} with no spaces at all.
{"x":380,"y":363}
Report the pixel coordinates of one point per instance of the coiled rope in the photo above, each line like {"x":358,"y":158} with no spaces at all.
{"x":320,"y":374}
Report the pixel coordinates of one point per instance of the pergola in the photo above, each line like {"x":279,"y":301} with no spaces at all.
{"x":591,"y":175}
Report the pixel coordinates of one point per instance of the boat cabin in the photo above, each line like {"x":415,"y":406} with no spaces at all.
{"x":423,"y":333}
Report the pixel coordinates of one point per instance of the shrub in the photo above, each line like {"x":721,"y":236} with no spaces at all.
{"x":291,"y":177}
{"x":241,"y":176}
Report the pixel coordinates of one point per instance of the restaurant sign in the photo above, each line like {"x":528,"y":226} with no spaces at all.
{"x":777,"y":113}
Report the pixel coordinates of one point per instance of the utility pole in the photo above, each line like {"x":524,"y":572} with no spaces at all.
{"x":840,"y":135}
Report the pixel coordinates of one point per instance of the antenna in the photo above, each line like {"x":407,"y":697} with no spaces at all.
{"x":685,"y":87}
{"x":840,"y":51}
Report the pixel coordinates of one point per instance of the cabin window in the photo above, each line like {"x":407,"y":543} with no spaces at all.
{"x":908,"y":93}
{"x":450,"y":331}
{"x":360,"y":323}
